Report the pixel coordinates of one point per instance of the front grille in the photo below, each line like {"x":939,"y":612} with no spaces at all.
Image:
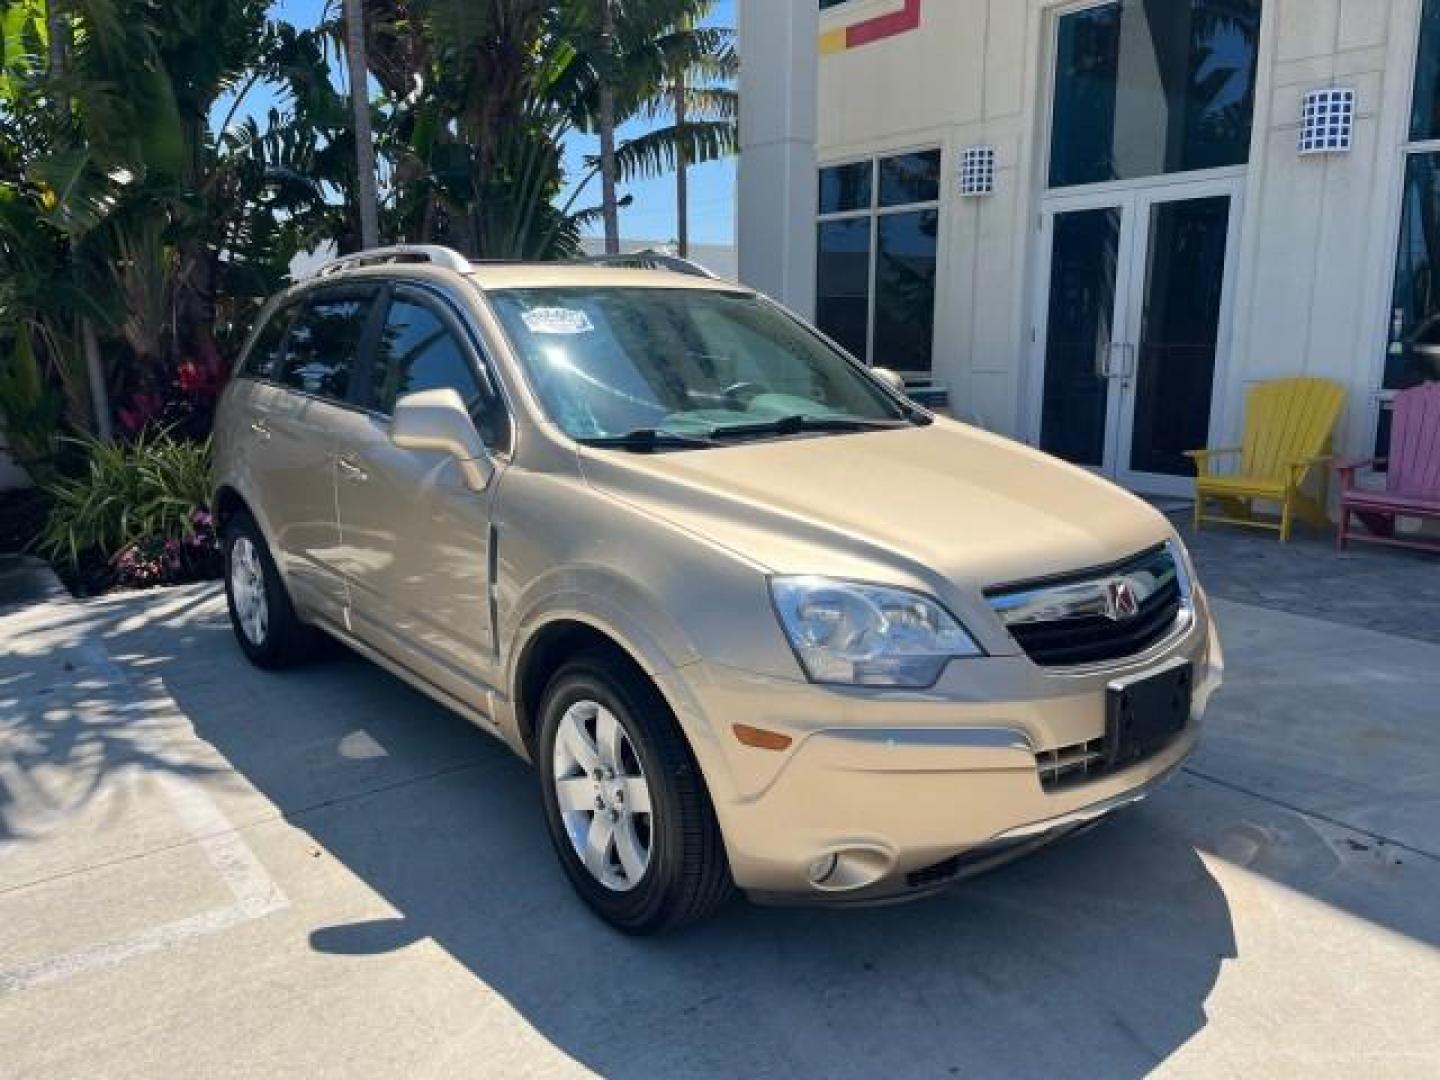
{"x":1109,"y":613}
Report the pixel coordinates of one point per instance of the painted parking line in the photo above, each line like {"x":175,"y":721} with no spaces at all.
{"x":255,"y":893}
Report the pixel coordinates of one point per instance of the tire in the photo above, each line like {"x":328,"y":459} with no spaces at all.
{"x":685,"y":874}
{"x":265,"y":624}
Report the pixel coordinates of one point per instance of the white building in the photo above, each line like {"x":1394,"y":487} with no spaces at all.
{"x":1150,"y":236}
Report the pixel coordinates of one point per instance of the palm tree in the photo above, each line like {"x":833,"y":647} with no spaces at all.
{"x":702,"y":73}
{"x":608,"y":73}
{"x":643,"y":57}
{"x":366,"y":192}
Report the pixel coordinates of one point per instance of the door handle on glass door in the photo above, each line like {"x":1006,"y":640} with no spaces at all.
{"x":1104,"y":367}
{"x":1130,"y":353}
{"x":351,"y":470}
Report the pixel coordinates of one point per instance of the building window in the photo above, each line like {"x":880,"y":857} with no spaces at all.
{"x":1143,"y":89}
{"x":878,"y":241}
{"x":1412,"y":354}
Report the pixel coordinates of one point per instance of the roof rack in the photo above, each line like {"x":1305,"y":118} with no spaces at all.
{"x":651,"y":260}
{"x":434,"y":254}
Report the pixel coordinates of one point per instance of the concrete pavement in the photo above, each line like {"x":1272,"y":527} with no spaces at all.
{"x":210,"y":871}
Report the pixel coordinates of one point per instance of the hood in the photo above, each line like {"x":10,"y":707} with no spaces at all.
{"x":945,"y":502}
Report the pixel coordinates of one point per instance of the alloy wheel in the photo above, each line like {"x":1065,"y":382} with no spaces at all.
{"x":603,"y":796}
{"x":247,"y":590}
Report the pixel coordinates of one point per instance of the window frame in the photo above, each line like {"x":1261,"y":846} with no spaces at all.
{"x":424,"y":295}
{"x":874,"y":212}
{"x":1051,"y":78}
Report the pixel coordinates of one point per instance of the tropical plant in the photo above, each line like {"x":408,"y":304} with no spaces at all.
{"x":30,"y":409}
{"x":134,"y":235}
{"x":647,"y":59}
{"x":128,"y":492}
{"x":480,"y":99}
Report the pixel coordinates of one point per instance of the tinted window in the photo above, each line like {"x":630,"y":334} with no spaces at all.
{"x":1145,"y":88}
{"x":417,"y":352}
{"x":842,"y":306}
{"x":905,"y":290}
{"x":324,"y":346}
{"x":261,"y":359}
{"x":1413,"y":356}
{"x":846,"y":187}
{"x":1425,"y":112}
{"x":910,"y":178}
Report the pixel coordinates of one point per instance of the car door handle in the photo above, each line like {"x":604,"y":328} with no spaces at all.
{"x":351,"y":471}
{"x":260,"y":428}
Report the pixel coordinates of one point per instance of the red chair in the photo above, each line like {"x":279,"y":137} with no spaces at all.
{"x":1412,"y":483}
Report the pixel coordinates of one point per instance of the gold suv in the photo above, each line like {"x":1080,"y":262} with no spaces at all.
{"x":757,"y":619}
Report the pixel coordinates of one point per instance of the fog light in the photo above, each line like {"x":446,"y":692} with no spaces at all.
{"x":823,"y":868}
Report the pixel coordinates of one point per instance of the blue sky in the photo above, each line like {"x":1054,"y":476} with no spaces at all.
{"x":652,"y":215}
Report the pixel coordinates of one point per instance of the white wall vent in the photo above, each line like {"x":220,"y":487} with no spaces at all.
{"x":1327,"y":121}
{"x":977,"y":171}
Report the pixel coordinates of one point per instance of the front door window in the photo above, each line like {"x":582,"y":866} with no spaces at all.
{"x":1149,"y":87}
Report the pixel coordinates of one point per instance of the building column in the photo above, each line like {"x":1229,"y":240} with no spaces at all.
{"x":779,"y":75}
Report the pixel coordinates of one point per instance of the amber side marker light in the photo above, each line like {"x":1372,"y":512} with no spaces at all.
{"x":760,"y":738}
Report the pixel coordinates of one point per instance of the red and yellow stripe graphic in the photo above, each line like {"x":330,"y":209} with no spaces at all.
{"x":871,"y":30}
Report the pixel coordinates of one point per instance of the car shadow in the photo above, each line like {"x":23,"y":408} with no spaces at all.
{"x":1096,"y":956}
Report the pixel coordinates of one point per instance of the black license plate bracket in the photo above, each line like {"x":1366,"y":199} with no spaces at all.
{"x":1144,"y":713}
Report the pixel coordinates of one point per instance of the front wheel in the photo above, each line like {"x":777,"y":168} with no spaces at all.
{"x":625,"y":803}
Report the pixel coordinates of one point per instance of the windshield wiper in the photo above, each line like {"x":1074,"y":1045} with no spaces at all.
{"x":649,"y":440}
{"x":800,"y":424}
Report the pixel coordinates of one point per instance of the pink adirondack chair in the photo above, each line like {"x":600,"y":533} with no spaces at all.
{"x":1412,"y":484}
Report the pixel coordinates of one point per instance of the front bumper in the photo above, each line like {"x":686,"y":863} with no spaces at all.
{"x":909,"y":785}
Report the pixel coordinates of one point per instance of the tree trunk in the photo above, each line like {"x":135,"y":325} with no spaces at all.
{"x":59,"y":29}
{"x":95,"y":374}
{"x":682,"y":168}
{"x":365,"y":185}
{"x":609,"y":200}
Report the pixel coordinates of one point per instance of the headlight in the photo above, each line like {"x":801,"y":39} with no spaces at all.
{"x":868,"y":635}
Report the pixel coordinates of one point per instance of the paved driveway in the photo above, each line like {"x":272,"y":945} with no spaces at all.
{"x":210,"y":871}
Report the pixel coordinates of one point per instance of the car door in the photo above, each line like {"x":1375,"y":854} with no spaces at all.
{"x":295,"y":416}
{"x":416,"y":539}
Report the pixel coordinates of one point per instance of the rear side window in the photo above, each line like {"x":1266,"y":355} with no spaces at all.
{"x":418,"y":351}
{"x":322,"y":352}
{"x":260,"y":361}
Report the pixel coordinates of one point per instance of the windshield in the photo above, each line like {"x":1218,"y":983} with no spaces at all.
{"x":610,"y":362}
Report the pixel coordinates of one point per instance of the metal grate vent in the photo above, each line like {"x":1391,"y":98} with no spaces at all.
{"x":977,"y":171}
{"x":1327,"y":121}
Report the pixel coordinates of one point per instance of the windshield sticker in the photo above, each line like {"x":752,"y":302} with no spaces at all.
{"x":557,"y":320}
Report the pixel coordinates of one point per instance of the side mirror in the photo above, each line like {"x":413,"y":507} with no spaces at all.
{"x":437,"y":420}
{"x":891,"y":379}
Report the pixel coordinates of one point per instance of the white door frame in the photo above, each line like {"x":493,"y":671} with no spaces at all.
{"x":1053,"y":208}
{"x":1145,"y":203}
{"x":1135,"y":201}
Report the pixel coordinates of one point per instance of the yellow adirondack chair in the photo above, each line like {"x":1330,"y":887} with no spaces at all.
{"x":1289,"y":425}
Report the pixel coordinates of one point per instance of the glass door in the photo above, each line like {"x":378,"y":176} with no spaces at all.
{"x":1137,"y":292}
{"x":1177,"y":323}
{"x":1087,"y":246}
